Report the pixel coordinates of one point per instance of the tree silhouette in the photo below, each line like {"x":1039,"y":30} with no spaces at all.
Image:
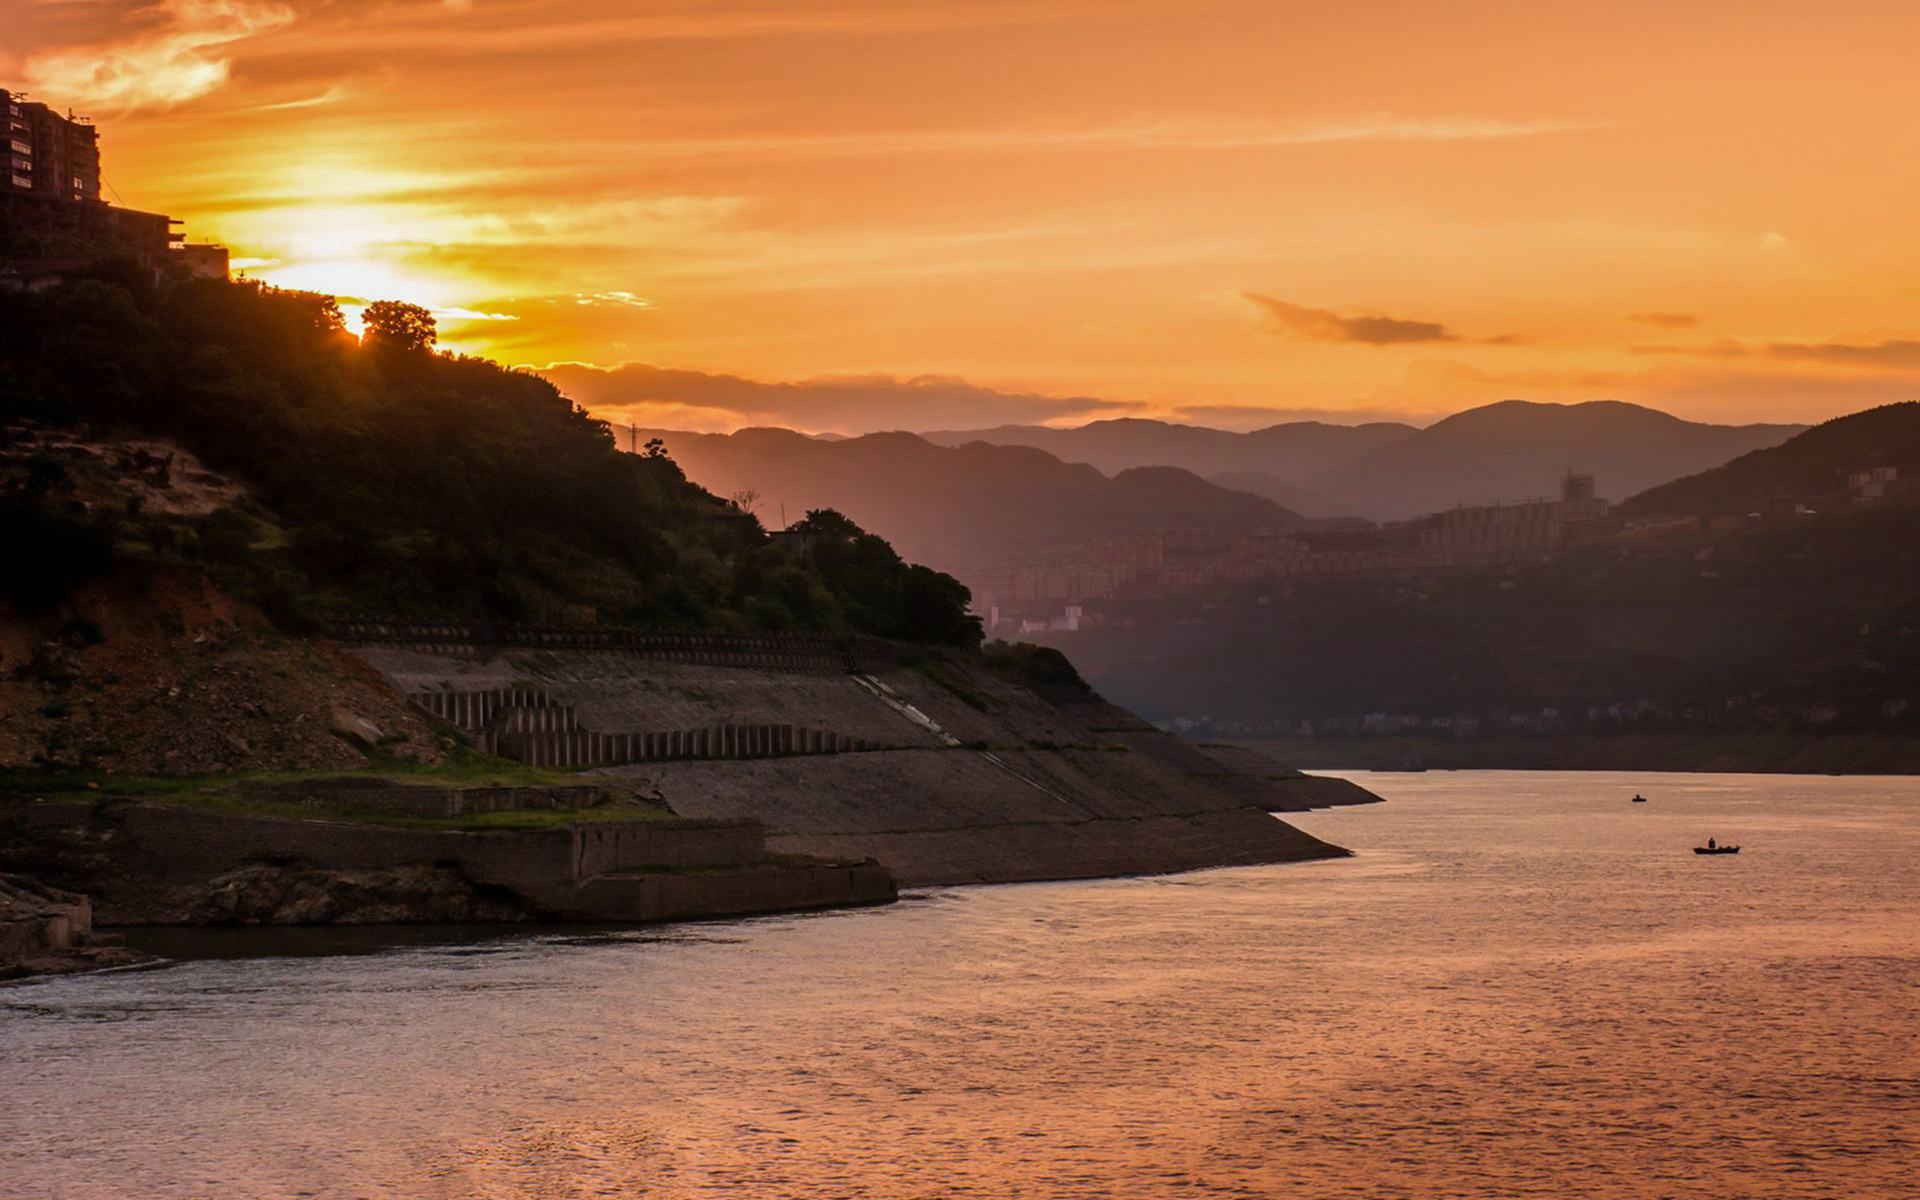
{"x":400,"y":325}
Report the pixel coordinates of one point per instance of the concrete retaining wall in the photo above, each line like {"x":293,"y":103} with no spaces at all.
{"x":730,"y":893}
{"x":985,"y":779}
{"x":478,"y":710}
{"x":602,"y":847}
{"x":184,"y":845}
{"x":163,"y":856}
{"x":528,"y":725}
{"x":1093,"y":849}
{"x":582,"y":749}
{"x":762,"y":651}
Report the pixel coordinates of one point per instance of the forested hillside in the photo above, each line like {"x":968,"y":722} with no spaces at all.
{"x":1810,"y":469}
{"x":386,"y":476}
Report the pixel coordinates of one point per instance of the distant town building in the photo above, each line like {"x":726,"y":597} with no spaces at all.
{"x":1873,"y":484}
{"x":1575,"y":489}
{"x":1045,"y":592}
{"x":52,"y":218}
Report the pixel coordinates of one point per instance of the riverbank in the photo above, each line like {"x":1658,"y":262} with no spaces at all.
{"x":1757,"y":753}
{"x":945,"y":770}
{"x":664,"y":778}
{"x":1517,"y":976}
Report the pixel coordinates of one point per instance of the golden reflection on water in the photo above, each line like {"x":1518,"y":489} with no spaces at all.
{"x":1523,"y":986}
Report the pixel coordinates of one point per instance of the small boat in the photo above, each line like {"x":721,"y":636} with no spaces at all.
{"x":1639,"y":799}
{"x":1713,"y":848}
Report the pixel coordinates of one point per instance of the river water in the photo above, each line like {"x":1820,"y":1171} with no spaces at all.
{"x":1521,"y":986}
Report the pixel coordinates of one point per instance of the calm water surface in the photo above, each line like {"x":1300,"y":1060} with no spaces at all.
{"x":1523,"y":986}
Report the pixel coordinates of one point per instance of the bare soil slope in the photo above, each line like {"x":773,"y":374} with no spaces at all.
{"x":152,"y":671}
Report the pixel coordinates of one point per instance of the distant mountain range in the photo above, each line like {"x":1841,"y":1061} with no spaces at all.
{"x":1516,"y":450}
{"x":1512,"y":450}
{"x":1810,"y":468}
{"x":1291,"y":451}
{"x":954,"y":499}
{"x":953,"y":506}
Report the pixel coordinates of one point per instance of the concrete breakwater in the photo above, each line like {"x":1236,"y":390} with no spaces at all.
{"x":157,"y":863}
{"x":973,"y":775}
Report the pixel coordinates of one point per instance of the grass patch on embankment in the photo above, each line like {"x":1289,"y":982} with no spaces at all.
{"x":462,"y":768}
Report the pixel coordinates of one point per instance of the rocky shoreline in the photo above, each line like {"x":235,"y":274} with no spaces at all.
{"x":47,"y":931}
{"x":738,"y":789}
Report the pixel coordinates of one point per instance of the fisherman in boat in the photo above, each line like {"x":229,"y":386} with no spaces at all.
{"x":1710,"y":843}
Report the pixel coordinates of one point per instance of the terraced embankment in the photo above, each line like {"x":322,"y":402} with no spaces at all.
{"x":943,"y":769}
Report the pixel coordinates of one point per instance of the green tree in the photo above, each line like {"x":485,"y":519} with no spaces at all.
{"x":400,"y":325}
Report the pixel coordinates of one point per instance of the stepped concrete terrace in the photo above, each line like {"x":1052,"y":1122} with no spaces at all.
{"x":970,"y":776}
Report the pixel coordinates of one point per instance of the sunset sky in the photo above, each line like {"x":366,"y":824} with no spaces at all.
{"x":952,"y":213}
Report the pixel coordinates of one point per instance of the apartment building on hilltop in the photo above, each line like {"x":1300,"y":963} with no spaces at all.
{"x":52,"y":217}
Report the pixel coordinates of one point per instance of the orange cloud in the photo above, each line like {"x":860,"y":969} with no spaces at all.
{"x":1325,"y":325}
{"x":1063,"y":197}
{"x":639,"y":392}
{"x":181,"y":56}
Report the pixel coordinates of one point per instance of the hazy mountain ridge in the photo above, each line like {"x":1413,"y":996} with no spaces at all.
{"x":1810,"y":467}
{"x":1289,"y":450}
{"x":1301,"y":499}
{"x":1518,"y":449}
{"x":1510,"y":450}
{"x":967,"y":503}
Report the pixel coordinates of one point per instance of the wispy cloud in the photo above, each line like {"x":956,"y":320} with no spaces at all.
{"x":645,"y":393}
{"x":1883,"y":354}
{"x":1664,"y":320}
{"x":1146,"y":135}
{"x":1260,"y":416}
{"x":1894,"y":352}
{"x":1369,"y":329}
{"x":616,"y":298}
{"x":334,"y":94}
{"x":1386,"y":127}
{"x":181,"y":51}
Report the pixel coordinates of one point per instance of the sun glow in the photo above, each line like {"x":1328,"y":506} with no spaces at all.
{"x":777,"y":205}
{"x":361,"y":253}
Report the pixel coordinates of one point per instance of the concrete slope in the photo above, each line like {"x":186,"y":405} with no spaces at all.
{"x":983,"y":778}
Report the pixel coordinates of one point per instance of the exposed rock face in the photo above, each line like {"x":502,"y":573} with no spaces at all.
{"x":36,"y":917}
{"x":265,"y":894}
{"x":350,"y":726}
{"x":46,"y":931}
